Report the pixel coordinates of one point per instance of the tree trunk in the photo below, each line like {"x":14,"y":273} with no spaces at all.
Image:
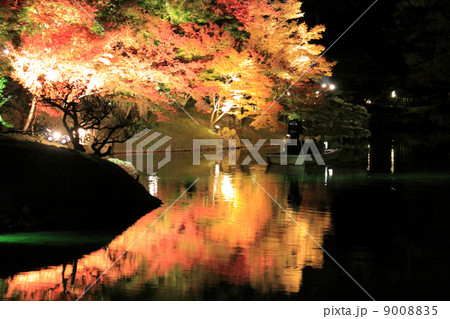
{"x":128,"y":110}
{"x":211,"y":121}
{"x":31,"y":114}
{"x":73,"y":133}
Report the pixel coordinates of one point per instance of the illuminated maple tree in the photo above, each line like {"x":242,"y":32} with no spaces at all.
{"x":234,"y":66}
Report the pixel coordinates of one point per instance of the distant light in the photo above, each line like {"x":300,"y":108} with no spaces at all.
{"x":326,"y":145}
{"x":289,"y":93}
{"x":330,"y":172}
{"x":217,"y":126}
{"x":332,"y":86}
{"x":394,"y":94}
{"x":288,"y":135}
{"x":368,"y":102}
{"x":324,"y":85}
{"x":317,"y":92}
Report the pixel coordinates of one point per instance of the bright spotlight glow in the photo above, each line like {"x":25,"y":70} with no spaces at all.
{"x":332,"y":86}
{"x":393,"y":94}
{"x":51,"y":75}
{"x":324,"y":85}
{"x":330,"y":172}
{"x":56,"y":136}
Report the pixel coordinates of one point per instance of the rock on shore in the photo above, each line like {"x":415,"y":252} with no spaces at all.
{"x":47,"y":188}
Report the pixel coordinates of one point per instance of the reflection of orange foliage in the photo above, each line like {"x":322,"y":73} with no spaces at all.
{"x":228,"y":228}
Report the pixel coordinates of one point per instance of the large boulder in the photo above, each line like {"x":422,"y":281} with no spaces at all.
{"x":49,"y":188}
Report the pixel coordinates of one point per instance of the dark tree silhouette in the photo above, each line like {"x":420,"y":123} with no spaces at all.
{"x":108,"y":119}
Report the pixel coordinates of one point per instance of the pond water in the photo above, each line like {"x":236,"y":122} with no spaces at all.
{"x":256,"y":233}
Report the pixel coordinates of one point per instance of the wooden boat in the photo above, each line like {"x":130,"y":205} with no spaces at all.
{"x":327,"y":156}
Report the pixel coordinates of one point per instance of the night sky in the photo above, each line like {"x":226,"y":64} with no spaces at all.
{"x":368,"y":59}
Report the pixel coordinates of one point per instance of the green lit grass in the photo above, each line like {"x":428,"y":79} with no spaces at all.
{"x":66,"y":238}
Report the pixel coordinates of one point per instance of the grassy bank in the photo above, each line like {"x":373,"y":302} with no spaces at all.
{"x":46,"y":187}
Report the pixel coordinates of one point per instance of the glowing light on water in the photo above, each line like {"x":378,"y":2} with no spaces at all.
{"x":392,"y":159}
{"x":227,"y":188}
{"x":216,"y":170}
{"x":153,"y":185}
{"x":328,"y":173}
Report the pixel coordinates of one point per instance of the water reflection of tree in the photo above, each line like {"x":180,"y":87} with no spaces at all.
{"x":228,"y":231}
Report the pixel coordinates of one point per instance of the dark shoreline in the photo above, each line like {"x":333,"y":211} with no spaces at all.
{"x":49,"y":188}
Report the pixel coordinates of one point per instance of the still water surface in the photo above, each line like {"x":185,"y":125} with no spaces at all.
{"x":381,"y":212}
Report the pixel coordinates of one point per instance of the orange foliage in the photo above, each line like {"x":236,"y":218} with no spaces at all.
{"x":161,"y":64}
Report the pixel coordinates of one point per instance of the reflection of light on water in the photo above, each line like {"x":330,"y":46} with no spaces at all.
{"x":227,"y":188}
{"x":328,"y":173}
{"x":392,"y":159}
{"x":216,"y":180}
{"x":368,"y":157}
{"x":272,"y":250}
{"x":216,"y":170}
{"x":153,"y":185}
